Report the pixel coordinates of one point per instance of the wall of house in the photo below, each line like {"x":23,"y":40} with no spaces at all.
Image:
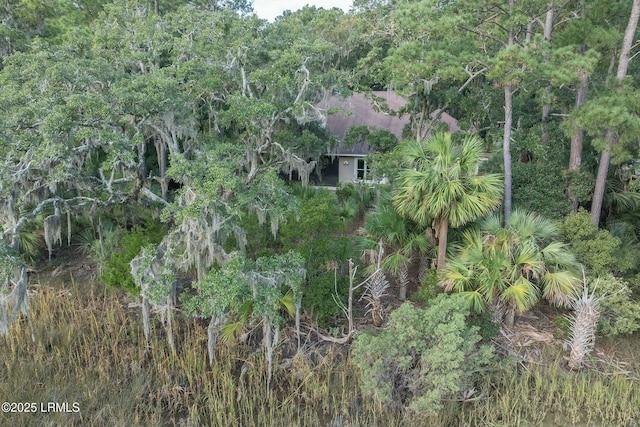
{"x":346,"y":168}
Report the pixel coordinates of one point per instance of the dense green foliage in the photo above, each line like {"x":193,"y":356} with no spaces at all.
{"x":514,"y":265}
{"x":313,"y":231}
{"x":599,"y":251}
{"x":116,"y":270}
{"x":422,"y":357}
{"x":620,"y":308}
{"x":203,"y":115}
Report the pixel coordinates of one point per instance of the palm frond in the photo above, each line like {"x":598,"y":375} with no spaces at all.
{"x":522,"y":295}
{"x":287,"y":302}
{"x":530,"y":226}
{"x":395,"y":262}
{"x":625,"y":200}
{"x":230,"y":331}
{"x":457,"y":277}
{"x":558,"y":254}
{"x":529,"y":263}
{"x":560,"y":287}
{"x":474,"y":300}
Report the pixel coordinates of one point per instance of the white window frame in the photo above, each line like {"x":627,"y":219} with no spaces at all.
{"x":365,"y":170}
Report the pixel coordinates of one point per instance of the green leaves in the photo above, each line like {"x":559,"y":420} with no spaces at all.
{"x":421,"y":358}
{"x":598,"y":250}
{"x":241,"y":282}
{"x":441,"y":181}
{"x":517,"y":264}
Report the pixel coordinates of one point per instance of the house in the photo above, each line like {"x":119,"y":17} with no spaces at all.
{"x":349,"y":164}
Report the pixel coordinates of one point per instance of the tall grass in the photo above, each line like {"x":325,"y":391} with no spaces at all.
{"x":552,"y":395}
{"x":83,"y":344}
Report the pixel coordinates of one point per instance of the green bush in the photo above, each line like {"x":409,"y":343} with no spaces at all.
{"x":487,"y":328}
{"x":315,"y":236}
{"x":429,"y":288}
{"x":116,"y":271}
{"x":422,"y":357}
{"x":562,"y":326}
{"x":597,"y":250}
{"x":318,"y":297}
{"x":314,"y":233}
{"x":619,"y":311}
{"x":360,"y":195}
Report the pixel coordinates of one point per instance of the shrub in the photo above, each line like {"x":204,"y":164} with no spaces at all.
{"x":116,"y":271}
{"x":423,"y":357}
{"x":313,"y":235}
{"x":429,"y":288}
{"x":597,"y":250}
{"x":620,"y":312}
{"x":318,"y":297}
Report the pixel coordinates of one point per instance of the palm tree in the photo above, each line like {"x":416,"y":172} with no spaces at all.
{"x":401,"y":238}
{"x":512,"y":267}
{"x":441,"y":186}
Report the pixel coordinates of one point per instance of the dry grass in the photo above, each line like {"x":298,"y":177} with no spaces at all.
{"x":548,"y":393}
{"x":88,"y":347}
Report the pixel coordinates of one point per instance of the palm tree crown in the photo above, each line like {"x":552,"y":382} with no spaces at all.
{"x":441,"y":185}
{"x":401,"y":239}
{"x":513,"y":266}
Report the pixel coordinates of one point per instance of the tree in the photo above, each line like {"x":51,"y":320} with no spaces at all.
{"x":66,"y":150}
{"x":481,"y":62}
{"x":252,"y":116}
{"x":401,"y":239}
{"x":597,"y":249}
{"x":512,"y":266}
{"x":260,"y":283}
{"x":440,"y":186}
{"x":612,"y":136}
{"x":422,"y":358}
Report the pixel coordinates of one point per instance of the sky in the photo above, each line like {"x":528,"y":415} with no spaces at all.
{"x":269,"y":9}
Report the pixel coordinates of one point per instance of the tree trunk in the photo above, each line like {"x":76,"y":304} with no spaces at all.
{"x":403,"y":281}
{"x":605,"y":157}
{"x":161,"y":152}
{"x":423,"y":267}
{"x":546,"y":108}
{"x":601,"y":178}
{"x":506,"y":149}
{"x":510,"y":318}
{"x":577,"y":138}
{"x":575,"y":157}
{"x":443,"y":229}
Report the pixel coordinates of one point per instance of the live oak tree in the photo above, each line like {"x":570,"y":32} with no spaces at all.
{"x":67,"y":152}
{"x":256,"y":290}
{"x":192,"y":85}
{"x":258,"y":115}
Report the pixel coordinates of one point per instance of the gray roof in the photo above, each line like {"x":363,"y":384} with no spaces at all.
{"x":360,"y":110}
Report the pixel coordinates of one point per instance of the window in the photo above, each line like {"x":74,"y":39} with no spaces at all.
{"x":362,"y":170}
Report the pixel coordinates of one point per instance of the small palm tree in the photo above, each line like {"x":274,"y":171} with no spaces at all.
{"x":401,"y":239}
{"x":441,"y":187}
{"x":512,"y":267}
